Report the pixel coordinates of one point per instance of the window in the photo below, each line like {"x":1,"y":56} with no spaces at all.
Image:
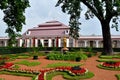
{"x":66,"y":31}
{"x":28,"y":33}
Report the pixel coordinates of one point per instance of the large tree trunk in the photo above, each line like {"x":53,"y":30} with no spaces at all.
{"x":107,"y":43}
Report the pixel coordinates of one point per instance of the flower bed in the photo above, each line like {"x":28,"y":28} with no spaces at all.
{"x":70,"y":70}
{"x":76,"y":70}
{"x":6,"y":65}
{"x":111,"y":64}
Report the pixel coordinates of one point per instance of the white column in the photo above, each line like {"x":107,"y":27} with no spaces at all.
{"x":67,"y":45}
{"x":5,"y":43}
{"x":36,"y":42}
{"x":59,"y":42}
{"x":42,"y":41}
{"x":49,"y":42}
{"x":97,"y":43}
{"x":20,"y":42}
{"x":28,"y":43}
{"x":85,"y":41}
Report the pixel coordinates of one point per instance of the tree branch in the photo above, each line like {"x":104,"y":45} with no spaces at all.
{"x":99,"y":8}
{"x":92,"y":9}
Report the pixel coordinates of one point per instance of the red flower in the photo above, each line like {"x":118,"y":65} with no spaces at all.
{"x":77,"y":72}
{"x":111,"y":64}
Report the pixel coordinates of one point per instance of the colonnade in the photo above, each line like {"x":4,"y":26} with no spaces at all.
{"x":45,"y":42}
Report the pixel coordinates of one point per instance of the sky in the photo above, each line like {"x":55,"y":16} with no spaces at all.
{"x":44,"y":10}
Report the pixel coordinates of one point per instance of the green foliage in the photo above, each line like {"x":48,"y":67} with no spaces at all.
{"x":73,"y":8}
{"x":23,"y":57}
{"x":14,"y":16}
{"x":14,"y":50}
{"x":27,"y":63}
{"x":18,"y":74}
{"x":107,"y":60}
{"x":68,"y":76}
{"x":109,"y":57}
{"x":118,"y":76}
{"x":3,"y":59}
{"x":11,"y":57}
{"x":16,"y":67}
{"x":67,"y":56}
{"x":65,"y":64}
{"x":78,"y":59}
{"x":2,"y":62}
{"x":35,"y":57}
{"x":2,"y":79}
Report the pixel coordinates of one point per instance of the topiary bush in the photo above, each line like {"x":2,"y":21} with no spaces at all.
{"x":78,"y":59}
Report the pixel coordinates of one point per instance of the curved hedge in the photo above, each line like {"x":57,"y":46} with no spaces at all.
{"x":68,"y":76}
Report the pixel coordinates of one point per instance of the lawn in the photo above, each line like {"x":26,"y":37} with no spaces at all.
{"x":28,"y":63}
{"x":2,"y":79}
{"x":68,"y":76}
{"x":33,"y":76}
{"x":65,"y":64}
{"x":118,"y":76}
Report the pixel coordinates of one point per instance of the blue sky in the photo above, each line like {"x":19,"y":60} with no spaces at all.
{"x":45,"y":10}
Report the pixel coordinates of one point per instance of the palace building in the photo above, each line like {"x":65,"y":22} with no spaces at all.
{"x":51,"y":34}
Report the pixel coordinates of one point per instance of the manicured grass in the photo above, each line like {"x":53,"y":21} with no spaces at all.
{"x":28,"y":63}
{"x":109,"y":57}
{"x":16,"y":67}
{"x":108,"y":68}
{"x":67,"y":76}
{"x":33,"y":76}
{"x":2,"y":79}
{"x":16,"y":56}
{"x":59,"y":64}
{"x":22,"y":57}
{"x":118,"y":76}
{"x":107,"y":60}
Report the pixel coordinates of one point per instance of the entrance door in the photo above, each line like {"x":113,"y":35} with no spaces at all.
{"x":91,"y":43}
{"x":46,"y":43}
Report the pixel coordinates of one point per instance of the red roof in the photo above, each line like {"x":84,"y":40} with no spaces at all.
{"x":48,"y":29}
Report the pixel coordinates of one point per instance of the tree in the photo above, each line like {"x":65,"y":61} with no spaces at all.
{"x":105,"y":10}
{"x":14,"y":17}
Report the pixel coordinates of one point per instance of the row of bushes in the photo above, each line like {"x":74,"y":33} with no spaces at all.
{"x":14,"y":50}
{"x":74,"y":56}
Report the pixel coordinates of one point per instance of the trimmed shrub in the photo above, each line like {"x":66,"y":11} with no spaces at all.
{"x":35,"y":57}
{"x":68,"y":56}
{"x":78,"y":59}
